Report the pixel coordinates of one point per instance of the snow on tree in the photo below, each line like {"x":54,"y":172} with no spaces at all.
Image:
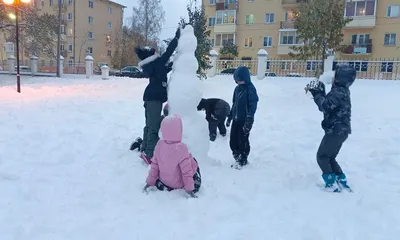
{"x":185,"y":93}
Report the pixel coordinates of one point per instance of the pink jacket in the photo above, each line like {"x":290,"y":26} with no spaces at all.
{"x":172,"y":163}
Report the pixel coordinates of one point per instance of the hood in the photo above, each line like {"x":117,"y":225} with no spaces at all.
{"x":243,"y":74}
{"x":202,"y":104}
{"x":171,"y":129}
{"x":344,"y":76}
{"x":146,"y":66}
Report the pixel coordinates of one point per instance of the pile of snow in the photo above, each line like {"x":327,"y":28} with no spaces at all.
{"x":66,"y":171}
{"x":185,"y":93}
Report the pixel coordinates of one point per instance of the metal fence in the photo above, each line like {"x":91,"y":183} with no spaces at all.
{"x":380,"y":69}
{"x":47,"y":66}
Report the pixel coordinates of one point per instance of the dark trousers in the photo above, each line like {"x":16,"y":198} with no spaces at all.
{"x":196,"y":178}
{"x":239,"y":142}
{"x":328,"y":151}
{"x":150,"y":132}
{"x":218,"y":123}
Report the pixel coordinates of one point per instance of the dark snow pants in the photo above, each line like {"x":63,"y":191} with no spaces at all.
{"x":222,"y":110}
{"x":239,"y":142}
{"x":328,"y":151}
{"x":150,"y":131}
{"x":196,"y":178}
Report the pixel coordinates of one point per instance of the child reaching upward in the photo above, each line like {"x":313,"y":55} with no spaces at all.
{"x":172,"y":166}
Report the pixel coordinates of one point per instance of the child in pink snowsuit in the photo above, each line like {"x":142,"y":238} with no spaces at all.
{"x":172,"y":166}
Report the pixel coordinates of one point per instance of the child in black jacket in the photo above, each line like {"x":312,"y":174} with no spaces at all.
{"x":216,"y":112}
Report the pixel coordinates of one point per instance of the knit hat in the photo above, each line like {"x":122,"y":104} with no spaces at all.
{"x":144,"y":52}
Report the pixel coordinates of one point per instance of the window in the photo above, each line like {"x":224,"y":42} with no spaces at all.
{"x":108,"y":38}
{"x":42,"y":3}
{"x":360,"y":39}
{"x":289,"y":16}
{"x":34,"y":3}
{"x":269,"y":17}
{"x":108,"y":53}
{"x":211,"y":22}
{"x":359,"y":66}
{"x":288,"y":38}
{"x":251,"y":0}
{"x":70,"y":31}
{"x":62,"y":29}
{"x":211,"y":2}
{"x":387,"y":67}
{"x":62,"y":47}
{"x":312,"y":65}
{"x":69,"y":47}
{"x":250,"y":19}
{"x":212,"y":42}
{"x":360,"y":8}
{"x":222,"y":39}
{"x":69,"y":16}
{"x":109,"y":10}
{"x":109,"y":24}
{"x":89,"y":50}
{"x":51,"y":2}
{"x":390,"y":39}
{"x":267,"y":42}
{"x":248,"y":42}
{"x":70,"y":63}
{"x":90,"y":35}
{"x":91,"y":4}
{"x":69,"y":2}
{"x":393,"y":11}
{"x":91,"y":20}
{"x":226,"y":17}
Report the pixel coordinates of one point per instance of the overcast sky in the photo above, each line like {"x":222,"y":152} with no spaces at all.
{"x":174,"y":9}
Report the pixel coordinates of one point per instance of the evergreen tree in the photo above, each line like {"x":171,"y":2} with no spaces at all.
{"x":198,"y":19}
{"x":229,"y":49}
{"x":319,"y":24}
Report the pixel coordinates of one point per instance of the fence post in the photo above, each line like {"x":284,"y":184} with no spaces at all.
{"x":34,"y":65}
{"x":105,"y":72}
{"x":262,"y":56}
{"x":89,"y":66}
{"x":213,"y":69}
{"x":61,"y":65}
{"x":11,"y":64}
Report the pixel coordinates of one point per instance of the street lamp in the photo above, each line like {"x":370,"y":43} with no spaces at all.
{"x":15,"y":4}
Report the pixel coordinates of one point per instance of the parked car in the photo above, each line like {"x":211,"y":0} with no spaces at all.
{"x":270,"y":74}
{"x":228,"y":71}
{"x":294,"y":75}
{"x":130,"y":71}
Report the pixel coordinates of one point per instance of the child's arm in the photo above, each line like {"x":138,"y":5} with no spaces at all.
{"x":229,"y":119}
{"x":153,"y":173}
{"x":187,"y":173}
{"x":171,"y":47}
{"x":327,"y":103}
{"x":252,"y":102}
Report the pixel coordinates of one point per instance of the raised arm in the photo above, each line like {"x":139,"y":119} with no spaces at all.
{"x":171,"y":47}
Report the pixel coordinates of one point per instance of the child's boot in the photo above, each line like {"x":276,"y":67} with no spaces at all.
{"x":136,"y":144}
{"x":342,"y":181}
{"x":213,"y":137}
{"x":330,"y":182}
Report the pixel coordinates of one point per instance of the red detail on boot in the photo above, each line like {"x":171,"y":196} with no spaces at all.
{"x":145,"y":158}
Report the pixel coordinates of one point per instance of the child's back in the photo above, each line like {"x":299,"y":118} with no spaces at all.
{"x":172,"y":163}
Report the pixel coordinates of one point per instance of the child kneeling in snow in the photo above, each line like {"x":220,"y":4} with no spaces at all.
{"x":172,"y":166}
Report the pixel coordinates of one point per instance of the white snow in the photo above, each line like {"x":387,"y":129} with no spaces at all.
{"x":185,"y":91}
{"x":66,"y":172}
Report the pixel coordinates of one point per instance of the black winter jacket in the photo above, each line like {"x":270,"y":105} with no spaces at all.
{"x":215,"y":108}
{"x":156,"y":69}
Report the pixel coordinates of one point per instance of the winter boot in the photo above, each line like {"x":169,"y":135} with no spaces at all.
{"x":213,"y":137}
{"x":330,"y":182}
{"x":136,"y":144}
{"x":342,"y":181}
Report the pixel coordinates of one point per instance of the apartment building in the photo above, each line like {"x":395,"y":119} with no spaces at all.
{"x":88,"y":27}
{"x":268,"y":24}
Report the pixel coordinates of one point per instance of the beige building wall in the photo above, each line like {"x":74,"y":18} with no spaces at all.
{"x":81,"y":34}
{"x":255,"y":27}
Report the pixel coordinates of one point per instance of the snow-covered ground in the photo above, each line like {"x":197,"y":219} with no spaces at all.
{"x":66,"y":172}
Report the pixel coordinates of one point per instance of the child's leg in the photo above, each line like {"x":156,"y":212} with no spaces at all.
{"x":244,"y":146}
{"x":234,"y":139}
{"x":145,"y":130}
{"x":212,"y":128}
{"x":327,"y":152}
{"x":153,"y":121}
{"x":221,"y":126}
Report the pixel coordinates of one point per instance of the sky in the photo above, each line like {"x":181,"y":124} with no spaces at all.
{"x":174,"y":10}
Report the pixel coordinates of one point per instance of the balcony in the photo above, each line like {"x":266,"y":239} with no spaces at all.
{"x":362,"y":22}
{"x":225,"y":28}
{"x":64,"y":7}
{"x":285,"y":49}
{"x":358,"y":49}
{"x":292,"y":3}
{"x":225,"y":5}
{"x":287,"y":25}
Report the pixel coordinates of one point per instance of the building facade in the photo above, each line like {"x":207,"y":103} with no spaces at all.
{"x":88,"y":27}
{"x":268,"y":24}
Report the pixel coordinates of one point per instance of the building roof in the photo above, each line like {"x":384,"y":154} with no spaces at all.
{"x":117,"y":4}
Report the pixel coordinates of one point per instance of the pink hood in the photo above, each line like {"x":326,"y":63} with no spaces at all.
{"x":171,"y":129}
{"x":172,"y":163}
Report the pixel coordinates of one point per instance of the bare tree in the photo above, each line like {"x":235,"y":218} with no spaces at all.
{"x":123,"y":44}
{"x":147,"y":19}
{"x":83,"y":39}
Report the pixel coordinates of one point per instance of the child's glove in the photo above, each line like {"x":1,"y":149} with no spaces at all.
{"x":228,"y":122}
{"x":191,"y":194}
{"x":315,"y":87}
{"x":248,"y":124}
